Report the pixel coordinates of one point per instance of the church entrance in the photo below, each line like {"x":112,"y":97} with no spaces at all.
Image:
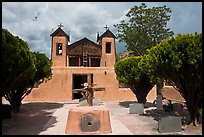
{"x":78,"y":80}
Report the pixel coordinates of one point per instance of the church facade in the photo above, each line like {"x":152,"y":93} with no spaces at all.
{"x":71,"y":65}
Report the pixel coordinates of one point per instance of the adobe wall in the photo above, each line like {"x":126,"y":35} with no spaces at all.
{"x":171,"y":93}
{"x":59,"y":88}
{"x":109,"y":58}
{"x":59,"y":60}
{"x":54,"y":89}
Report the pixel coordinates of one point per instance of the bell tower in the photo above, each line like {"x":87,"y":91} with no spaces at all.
{"x":59,"y":47}
{"x":107,"y":41}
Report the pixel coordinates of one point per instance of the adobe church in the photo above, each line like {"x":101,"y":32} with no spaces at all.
{"x":72,"y":63}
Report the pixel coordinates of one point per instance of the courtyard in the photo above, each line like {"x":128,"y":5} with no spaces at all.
{"x":48,"y":118}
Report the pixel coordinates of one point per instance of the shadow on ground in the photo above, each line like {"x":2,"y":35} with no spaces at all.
{"x":127,"y":103}
{"x":31,"y":119}
{"x":156,"y":114}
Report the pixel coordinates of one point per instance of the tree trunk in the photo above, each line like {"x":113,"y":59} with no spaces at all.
{"x":193,"y":99}
{"x":141,"y":88}
{"x":193,"y":118}
{"x":140,"y":93}
{"x":16,"y":104}
{"x":141,"y":99}
{"x":192,"y":110}
{"x":159,"y":87}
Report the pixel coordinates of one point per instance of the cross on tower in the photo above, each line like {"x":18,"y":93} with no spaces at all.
{"x":60,"y":25}
{"x":106,"y":27}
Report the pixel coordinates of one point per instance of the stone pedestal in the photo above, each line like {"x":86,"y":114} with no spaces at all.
{"x":170,"y":124}
{"x":136,"y":108}
{"x":88,"y":120}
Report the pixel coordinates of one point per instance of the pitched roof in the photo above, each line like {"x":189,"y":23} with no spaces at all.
{"x":59,"y":32}
{"x":77,"y":48}
{"x":84,"y":40}
{"x":108,"y":33}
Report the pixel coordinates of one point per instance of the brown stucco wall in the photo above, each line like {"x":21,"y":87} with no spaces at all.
{"x":54,"y":89}
{"x":59,"y":60}
{"x":59,"y":88}
{"x":108,"y":57}
{"x":171,"y":93}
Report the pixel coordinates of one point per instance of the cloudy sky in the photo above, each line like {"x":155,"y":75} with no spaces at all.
{"x":34,"y":22}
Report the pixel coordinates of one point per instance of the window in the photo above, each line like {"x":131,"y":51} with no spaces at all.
{"x":108,"y":47}
{"x":59,"y":49}
{"x":95,"y":62}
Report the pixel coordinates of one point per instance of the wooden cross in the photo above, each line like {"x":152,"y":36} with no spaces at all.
{"x":106,"y":27}
{"x":60,"y":25}
{"x":88,"y":93}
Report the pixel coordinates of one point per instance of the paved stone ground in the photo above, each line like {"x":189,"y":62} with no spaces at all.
{"x":47,"y":118}
{"x":146,"y":124}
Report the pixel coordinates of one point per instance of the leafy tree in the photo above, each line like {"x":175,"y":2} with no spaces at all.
{"x":179,"y":61}
{"x":17,"y":62}
{"x":134,"y":73}
{"x":145,"y":28}
{"x":21,"y":70}
{"x":118,"y":57}
{"x":43,"y":66}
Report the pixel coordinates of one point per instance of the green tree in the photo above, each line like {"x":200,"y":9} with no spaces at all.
{"x":179,"y":60}
{"x":118,"y":57}
{"x":133,"y":72}
{"x":43,"y":66}
{"x":145,"y":28}
{"x":21,"y":69}
{"x":17,"y":62}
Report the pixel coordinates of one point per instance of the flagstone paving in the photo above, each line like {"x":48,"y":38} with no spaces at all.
{"x":48,"y":118}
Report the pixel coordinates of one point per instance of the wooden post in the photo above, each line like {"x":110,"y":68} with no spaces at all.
{"x":67,"y":61}
{"x":89,"y":61}
{"x":79,"y":61}
{"x":90,"y":91}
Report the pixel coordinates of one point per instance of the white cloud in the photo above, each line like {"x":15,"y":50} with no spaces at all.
{"x":84,"y":19}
